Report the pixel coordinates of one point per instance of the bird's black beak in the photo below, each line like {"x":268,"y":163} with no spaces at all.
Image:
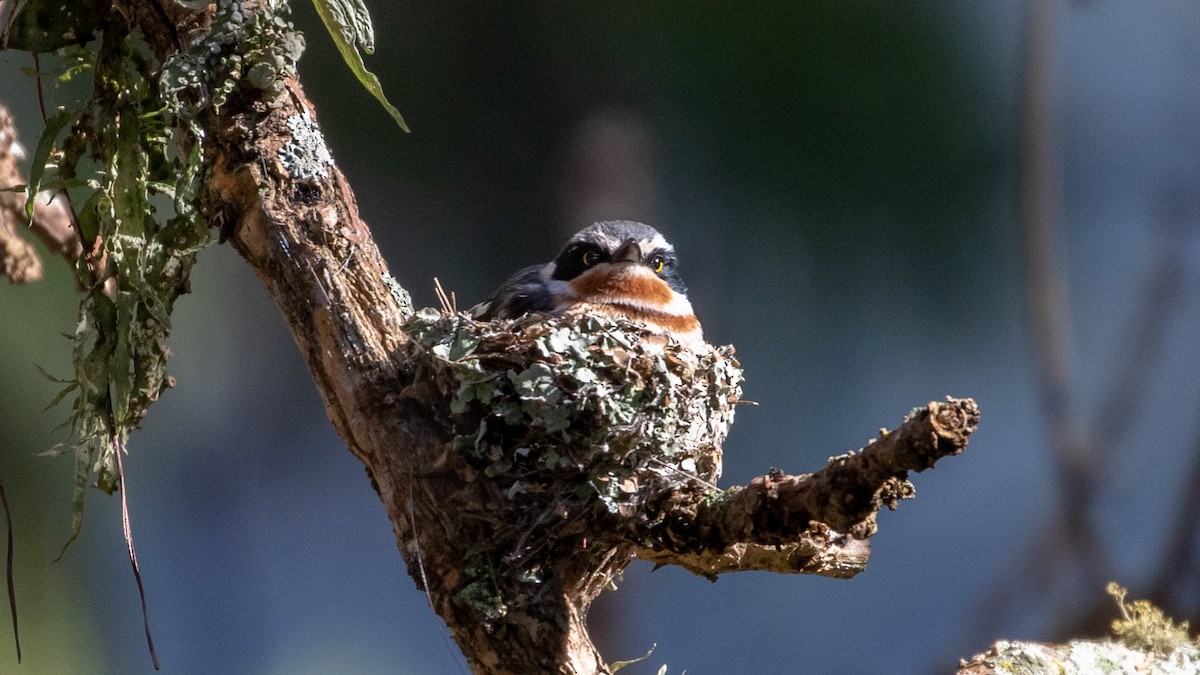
{"x":629,"y":252}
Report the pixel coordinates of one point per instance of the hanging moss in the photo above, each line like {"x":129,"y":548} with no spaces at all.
{"x":133,"y":142}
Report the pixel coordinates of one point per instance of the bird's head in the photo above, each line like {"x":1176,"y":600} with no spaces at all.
{"x":615,"y":268}
{"x":619,"y":250}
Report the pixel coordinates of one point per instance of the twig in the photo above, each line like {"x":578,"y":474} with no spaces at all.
{"x":8,"y":570}
{"x":449,"y":303}
{"x":8,"y":21}
{"x":1040,"y":175}
{"x":37,"y":78}
{"x":133,"y":561}
{"x":811,"y":523}
{"x":1156,"y":303}
{"x":1180,"y":559}
{"x":1041,"y":205}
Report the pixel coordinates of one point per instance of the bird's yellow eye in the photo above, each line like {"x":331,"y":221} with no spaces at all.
{"x":657,"y":263}
{"x":590,"y":258}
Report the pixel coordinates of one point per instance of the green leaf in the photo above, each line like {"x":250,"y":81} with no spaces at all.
{"x":349,"y":25}
{"x":128,"y":172}
{"x":83,"y":463}
{"x":70,"y":73}
{"x":120,"y":362}
{"x":46,"y":374}
{"x":61,"y":395}
{"x":37,"y":169}
{"x":617,"y":665}
{"x":88,"y":218}
{"x":352,"y":21}
{"x":57,"y":184}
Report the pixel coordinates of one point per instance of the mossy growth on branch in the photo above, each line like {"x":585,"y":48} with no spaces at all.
{"x":252,"y":48}
{"x":131,"y":157}
{"x":134,"y":181}
{"x":1144,"y":626}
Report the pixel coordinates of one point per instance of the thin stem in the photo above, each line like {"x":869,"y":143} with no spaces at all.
{"x":137,"y":574}
{"x":8,"y":570}
{"x":37,"y":78}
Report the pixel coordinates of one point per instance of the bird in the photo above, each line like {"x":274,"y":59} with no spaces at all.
{"x":614,"y":268}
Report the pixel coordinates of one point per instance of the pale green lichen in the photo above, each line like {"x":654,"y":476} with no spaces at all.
{"x":401,"y":295}
{"x":1081,"y":657}
{"x":573,"y":423}
{"x":480,"y":594}
{"x":305,"y":156}
{"x":258,"y":47}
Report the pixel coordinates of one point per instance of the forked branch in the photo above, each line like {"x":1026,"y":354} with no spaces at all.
{"x":816,"y":523}
{"x":523,"y":464}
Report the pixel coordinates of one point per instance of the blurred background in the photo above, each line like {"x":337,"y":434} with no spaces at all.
{"x":844,"y":182}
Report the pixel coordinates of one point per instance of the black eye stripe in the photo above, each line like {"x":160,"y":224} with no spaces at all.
{"x":570,"y":263}
{"x":667,"y":257}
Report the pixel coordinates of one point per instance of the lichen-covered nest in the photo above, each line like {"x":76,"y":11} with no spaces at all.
{"x":562,"y":429}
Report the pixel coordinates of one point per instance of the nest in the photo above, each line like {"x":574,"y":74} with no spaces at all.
{"x":563,"y":429}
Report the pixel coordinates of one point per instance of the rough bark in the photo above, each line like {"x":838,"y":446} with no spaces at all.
{"x":812,"y":523}
{"x":522,"y":464}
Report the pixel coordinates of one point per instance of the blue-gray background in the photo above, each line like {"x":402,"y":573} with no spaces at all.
{"x":840,"y":181}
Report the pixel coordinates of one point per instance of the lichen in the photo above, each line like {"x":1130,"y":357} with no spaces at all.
{"x":257,"y":47}
{"x":305,"y":156}
{"x":1082,"y":657}
{"x":573,"y":422}
{"x":401,"y":295}
{"x":480,"y":594}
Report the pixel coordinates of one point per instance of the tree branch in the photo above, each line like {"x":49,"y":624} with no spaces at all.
{"x":51,"y":222}
{"x":522,"y":463}
{"x":1078,"y":657}
{"x":812,"y":523}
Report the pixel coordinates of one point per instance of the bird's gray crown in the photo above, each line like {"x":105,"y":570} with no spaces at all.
{"x":610,"y":234}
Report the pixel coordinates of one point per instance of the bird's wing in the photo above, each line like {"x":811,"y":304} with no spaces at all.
{"x":524,"y":292}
